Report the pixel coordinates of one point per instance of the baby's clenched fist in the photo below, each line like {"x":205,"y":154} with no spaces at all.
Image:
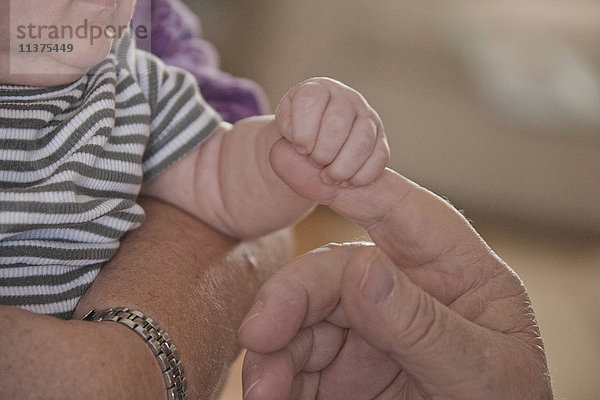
{"x":336,"y":128}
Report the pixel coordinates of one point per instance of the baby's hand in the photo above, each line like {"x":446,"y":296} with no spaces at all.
{"x":334,"y":126}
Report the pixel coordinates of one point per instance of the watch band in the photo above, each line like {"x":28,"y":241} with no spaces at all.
{"x":159,"y":342}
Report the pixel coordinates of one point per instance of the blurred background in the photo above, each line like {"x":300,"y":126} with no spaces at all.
{"x":494,"y":105}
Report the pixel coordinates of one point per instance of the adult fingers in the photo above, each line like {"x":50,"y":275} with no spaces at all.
{"x":272,"y":375}
{"x":438,"y":348}
{"x":290,"y":372}
{"x":359,"y":371}
{"x":409,"y":223}
{"x":302,"y":293}
{"x":324,"y":358}
{"x":423,"y":235}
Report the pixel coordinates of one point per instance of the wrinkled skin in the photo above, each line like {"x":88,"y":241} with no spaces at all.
{"x":437,"y":316}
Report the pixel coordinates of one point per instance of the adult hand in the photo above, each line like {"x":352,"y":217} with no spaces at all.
{"x":431,"y":312}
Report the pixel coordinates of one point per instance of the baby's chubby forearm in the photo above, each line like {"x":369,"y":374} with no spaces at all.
{"x":228,"y":182}
{"x":255,"y":201}
{"x":264,"y":173}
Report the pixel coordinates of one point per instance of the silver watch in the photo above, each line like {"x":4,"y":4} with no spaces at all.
{"x":159,"y":342}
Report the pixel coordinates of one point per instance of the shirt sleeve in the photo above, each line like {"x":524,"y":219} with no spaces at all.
{"x":180,"y":117}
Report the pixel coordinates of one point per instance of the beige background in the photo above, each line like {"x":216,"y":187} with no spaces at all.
{"x":495,"y":105}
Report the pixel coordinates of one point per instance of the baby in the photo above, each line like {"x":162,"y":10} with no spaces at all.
{"x":84,"y":131}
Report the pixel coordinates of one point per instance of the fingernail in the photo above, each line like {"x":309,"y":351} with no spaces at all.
{"x":253,"y":377}
{"x":377,"y":281}
{"x":254,"y":312}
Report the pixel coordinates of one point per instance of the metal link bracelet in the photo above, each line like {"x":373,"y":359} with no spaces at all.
{"x":159,"y":342}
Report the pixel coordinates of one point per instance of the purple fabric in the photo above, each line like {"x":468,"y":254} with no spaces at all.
{"x":176,"y":39}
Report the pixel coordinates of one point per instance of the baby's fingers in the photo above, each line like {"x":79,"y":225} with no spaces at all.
{"x":356,"y":151}
{"x":374,"y":166}
{"x":336,"y":125}
{"x":299,"y":114}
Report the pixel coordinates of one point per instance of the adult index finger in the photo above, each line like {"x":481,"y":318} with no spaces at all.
{"x":420,"y":232}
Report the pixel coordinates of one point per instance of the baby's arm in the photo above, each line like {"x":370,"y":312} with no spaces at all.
{"x":228,"y":183}
{"x":324,"y":131}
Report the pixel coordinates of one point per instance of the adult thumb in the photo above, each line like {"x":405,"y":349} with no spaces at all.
{"x":438,"y":348}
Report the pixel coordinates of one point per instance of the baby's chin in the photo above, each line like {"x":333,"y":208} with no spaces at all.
{"x":84,"y":56}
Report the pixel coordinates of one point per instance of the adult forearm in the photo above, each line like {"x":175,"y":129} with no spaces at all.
{"x":47,"y":358}
{"x":194,"y":282}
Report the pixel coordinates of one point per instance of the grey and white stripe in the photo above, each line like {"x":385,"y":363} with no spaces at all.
{"x":72,"y":161}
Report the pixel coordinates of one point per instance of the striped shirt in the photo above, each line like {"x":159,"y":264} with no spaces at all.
{"x":72,"y":161}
